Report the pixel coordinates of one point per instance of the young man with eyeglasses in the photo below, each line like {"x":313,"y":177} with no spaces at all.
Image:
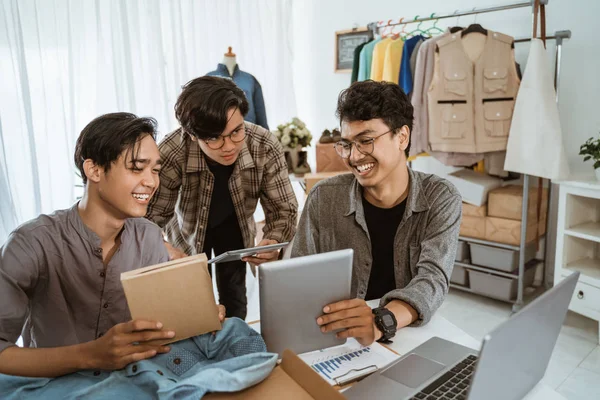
{"x":216,"y":168}
{"x":402,"y":224}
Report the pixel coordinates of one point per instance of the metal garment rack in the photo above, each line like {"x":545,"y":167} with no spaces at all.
{"x":558,"y":36}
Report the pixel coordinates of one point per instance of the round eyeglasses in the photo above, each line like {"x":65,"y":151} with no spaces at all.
{"x":364,"y":145}
{"x":236,"y":136}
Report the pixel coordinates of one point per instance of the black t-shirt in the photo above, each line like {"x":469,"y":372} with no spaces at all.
{"x":382,"y":224}
{"x":221,"y":204}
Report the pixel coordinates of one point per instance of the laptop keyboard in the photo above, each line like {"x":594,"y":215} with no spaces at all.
{"x":453,"y":385}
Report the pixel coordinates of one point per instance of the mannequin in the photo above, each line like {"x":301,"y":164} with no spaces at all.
{"x":230,"y":69}
{"x":230,"y":61}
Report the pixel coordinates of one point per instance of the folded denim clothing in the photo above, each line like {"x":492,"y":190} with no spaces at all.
{"x":232,"y":360}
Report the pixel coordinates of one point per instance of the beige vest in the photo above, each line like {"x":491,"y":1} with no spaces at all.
{"x":471,"y":103}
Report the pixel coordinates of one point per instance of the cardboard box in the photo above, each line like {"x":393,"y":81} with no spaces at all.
{"x":508,"y":231}
{"x":312,"y":179}
{"x":473,"y":227}
{"x":473,"y":186}
{"x":293,"y":379}
{"x":474,"y":211}
{"x":328,"y":160}
{"x":177,"y":293}
{"x":507,"y":201}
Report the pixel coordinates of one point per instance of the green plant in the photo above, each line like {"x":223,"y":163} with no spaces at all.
{"x":591,"y":150}
{"x":293,"y":134}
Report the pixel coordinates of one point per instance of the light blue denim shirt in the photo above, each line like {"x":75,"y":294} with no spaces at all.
{"x":232,"y":360}
{"x":249,"y":84}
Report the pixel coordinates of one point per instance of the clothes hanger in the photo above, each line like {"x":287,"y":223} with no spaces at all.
{"x":434,"y":29}
{"x":457,"y":27}
{"x":474,"y":28}
{"x":418,"y":30}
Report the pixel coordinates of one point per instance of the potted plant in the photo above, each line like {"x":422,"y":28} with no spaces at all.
{"x":293,"y":136}
{"x":591,"y":151}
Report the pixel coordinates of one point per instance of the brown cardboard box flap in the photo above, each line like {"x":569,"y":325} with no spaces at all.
{"x":293,"y":379}
{"x":177,"y":293}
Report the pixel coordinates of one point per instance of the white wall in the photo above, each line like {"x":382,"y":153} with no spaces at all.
{"x":317,"y":86}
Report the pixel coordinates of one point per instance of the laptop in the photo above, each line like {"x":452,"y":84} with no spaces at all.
{"x":292,"y":295}
{"x":513,"y":359}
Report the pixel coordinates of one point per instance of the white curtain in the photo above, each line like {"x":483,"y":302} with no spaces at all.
{"x":64,"y":62}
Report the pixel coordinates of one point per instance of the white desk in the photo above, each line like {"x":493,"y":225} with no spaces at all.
{"x":407,"y":339}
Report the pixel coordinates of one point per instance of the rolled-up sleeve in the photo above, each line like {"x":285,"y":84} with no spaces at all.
{"x":428,"y":288}
{"x":19,"y":274}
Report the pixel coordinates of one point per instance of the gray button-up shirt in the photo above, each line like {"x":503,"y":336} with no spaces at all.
{"x":425,"y":243}
{"x":54,"y":289}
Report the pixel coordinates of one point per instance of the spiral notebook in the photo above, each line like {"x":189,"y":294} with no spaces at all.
{"x":349,"y":362}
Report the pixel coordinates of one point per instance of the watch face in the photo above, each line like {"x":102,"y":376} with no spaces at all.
{"x":387,"y":320}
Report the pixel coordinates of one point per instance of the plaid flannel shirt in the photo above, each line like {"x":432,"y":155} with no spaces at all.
{"x":181,"y":204}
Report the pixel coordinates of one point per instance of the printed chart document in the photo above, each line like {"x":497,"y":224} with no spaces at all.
{"x":349,"y":362}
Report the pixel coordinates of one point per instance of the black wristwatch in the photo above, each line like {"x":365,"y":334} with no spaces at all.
{"x":386,"y":322}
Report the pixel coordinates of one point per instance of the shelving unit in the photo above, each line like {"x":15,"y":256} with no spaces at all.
{"x":581,"y":230}
{"x":578,"y":244}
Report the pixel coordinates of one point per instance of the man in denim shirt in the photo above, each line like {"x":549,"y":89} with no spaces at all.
{"x":402,"y":224}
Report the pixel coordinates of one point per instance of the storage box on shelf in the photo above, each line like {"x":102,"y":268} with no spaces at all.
{"x":498,"y":258}
{"x":578,"y":243}
{"x":500,"y":287}
{"x":507,"y":202}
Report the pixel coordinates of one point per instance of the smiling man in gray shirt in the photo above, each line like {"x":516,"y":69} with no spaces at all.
{"x":402,"y":224}
{"x":60,"y":282}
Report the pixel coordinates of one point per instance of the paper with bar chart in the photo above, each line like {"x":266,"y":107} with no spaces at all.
{"x":343,"y":364}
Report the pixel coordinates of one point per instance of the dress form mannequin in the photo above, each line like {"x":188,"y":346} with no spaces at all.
{"x":230,"y":61}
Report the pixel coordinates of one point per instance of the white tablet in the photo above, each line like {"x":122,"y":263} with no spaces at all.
{"x":235,"y":255}
{"x":292,"y":296}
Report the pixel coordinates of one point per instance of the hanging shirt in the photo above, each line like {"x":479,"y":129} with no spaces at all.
{"x":391,"y":64}
{"x":257,"y":113}
{"x":366,"y":59}
{"x":413,"y":60}
{"x":356,"y":61}
{"x":379,"y":58}
{"x":231,"y":360}
{"x":405,"y":78}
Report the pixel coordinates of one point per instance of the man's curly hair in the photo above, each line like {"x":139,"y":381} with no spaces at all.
{"x":367,"y":100}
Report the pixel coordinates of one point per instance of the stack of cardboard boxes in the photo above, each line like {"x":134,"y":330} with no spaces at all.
{"x":500,"y":219}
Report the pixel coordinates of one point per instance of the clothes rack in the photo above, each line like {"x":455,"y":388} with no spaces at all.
{"x":558,"y":36}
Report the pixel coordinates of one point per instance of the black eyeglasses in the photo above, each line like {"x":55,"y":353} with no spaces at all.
{"x":364,"y":145}
{"x":236,"y":136}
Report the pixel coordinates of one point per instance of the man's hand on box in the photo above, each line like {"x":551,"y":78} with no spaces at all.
{"x":126,"y":343}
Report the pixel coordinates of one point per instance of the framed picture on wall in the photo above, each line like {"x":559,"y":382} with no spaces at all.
{"x":345,"y":43}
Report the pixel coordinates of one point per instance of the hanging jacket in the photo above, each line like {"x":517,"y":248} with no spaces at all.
{"x":471,"y":103}
{"x":257,"y":113}
{"x":233,"y":359}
